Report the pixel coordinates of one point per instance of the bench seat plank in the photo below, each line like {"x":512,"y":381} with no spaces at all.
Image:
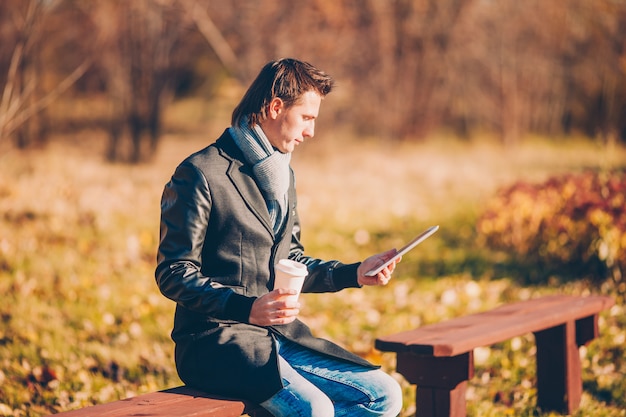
{"x":174,"y":402}
{"x":463,"y":334}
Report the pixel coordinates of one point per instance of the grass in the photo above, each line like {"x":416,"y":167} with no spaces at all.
{"x":82,"y":322}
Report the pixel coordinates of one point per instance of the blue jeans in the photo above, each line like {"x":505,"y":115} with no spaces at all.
{"x":320,"y":386}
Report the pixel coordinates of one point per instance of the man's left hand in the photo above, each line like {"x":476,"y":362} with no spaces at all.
{"x":384,"y":276}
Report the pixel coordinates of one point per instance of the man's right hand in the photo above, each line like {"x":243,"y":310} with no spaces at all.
{"x":274,"y":308}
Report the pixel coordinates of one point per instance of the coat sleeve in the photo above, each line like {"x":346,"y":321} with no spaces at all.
{"x":324,"y":276}
{"x":185,"y":211}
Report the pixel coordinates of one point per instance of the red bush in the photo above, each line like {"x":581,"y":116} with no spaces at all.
{"x":574,"y":223}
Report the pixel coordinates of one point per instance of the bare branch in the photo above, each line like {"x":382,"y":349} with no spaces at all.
{"x":7,"y":94}
{"x":8,"y":126}
{"x":213,"y":36}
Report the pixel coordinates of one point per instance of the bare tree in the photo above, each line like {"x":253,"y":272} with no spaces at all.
{"x":23,"y":97}
{"x":135,"y":48}
{"x":405,"y":67}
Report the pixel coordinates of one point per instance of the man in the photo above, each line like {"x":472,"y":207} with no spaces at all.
{"x":228,"y":215}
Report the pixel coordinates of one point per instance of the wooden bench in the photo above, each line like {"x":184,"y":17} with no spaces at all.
{"x":174,"y":402}
{"x":438,"y":358}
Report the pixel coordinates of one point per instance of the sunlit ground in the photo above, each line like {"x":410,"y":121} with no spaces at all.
{"x":82,"y":321}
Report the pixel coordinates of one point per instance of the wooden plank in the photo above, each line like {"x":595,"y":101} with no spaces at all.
{"x":175,"y":402}
{"x":460,"y":335}
{"x":503,"y":316}
{"x":510,"y":321}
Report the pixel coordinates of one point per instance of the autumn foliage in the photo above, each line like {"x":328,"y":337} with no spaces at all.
{"x":572,"y":225}
{"x":406,"y":69}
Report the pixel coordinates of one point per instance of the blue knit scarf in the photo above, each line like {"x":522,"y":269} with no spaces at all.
{"x":270,"y":167}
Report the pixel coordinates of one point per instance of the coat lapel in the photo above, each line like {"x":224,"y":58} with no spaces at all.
{"x":242,"y":179}
{"x":241,"y":176}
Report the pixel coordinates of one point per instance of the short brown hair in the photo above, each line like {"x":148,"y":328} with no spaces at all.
{"x":287,"y":79}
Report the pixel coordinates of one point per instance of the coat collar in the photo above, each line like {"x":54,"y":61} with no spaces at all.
{"x":240,"y":174}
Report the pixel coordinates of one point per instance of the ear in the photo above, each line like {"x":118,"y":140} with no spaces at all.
{"x":275,"y":107}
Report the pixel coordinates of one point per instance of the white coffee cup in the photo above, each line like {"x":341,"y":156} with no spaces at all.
{"x":290,"y":275}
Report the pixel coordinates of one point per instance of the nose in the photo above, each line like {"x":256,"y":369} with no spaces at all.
{"x":309,"y":131}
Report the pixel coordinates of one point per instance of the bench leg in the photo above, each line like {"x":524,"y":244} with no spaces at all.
{"x":559,"y":383}
{"x":438,"y":402}
{"x":441,"y":382}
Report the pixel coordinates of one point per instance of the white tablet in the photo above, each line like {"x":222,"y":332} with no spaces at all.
{"x":419,"y":239}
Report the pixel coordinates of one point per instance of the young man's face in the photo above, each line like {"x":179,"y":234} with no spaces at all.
{"x":288,"y":127}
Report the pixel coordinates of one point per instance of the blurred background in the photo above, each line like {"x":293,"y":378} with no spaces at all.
{"x":502,"y":121}
{"x":405,"y":68}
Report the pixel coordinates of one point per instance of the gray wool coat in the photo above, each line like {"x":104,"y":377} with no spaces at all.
{"x":216,"y":255}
